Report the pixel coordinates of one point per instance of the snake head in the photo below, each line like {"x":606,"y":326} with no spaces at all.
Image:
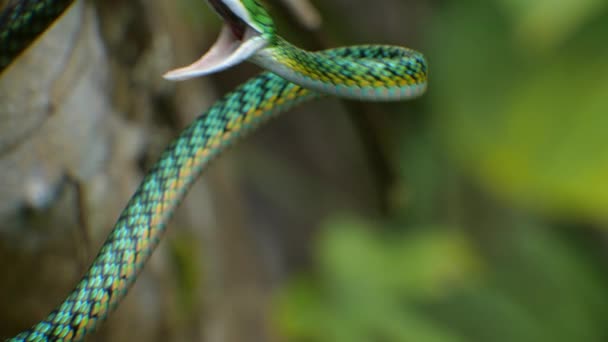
{"x":247,"y":29}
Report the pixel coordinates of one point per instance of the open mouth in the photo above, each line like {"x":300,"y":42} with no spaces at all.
{"x":238,"y":40}
{"x":237,"y":25}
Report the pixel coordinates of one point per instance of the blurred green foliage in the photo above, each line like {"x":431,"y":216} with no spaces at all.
{"x":436,"y":285}
{"x":368,"y":282}
{"x":519,"y":100}
{"x":489,"y":239}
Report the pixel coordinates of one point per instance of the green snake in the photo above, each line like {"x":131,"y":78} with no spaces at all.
{"x":370,"y":72}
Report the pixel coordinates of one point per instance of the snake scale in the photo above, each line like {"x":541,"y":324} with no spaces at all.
{"x":370,"y":72}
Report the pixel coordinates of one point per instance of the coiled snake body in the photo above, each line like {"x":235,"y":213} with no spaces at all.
{"x":372,"y":72}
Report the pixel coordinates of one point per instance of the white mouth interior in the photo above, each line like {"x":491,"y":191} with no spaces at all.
{"x":227,"y":51}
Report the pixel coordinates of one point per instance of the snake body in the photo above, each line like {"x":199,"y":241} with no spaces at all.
{"x":22,"y":22}
{"x":373,"y":72}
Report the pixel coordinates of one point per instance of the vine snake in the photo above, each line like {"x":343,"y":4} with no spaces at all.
{"x":369,"y":72}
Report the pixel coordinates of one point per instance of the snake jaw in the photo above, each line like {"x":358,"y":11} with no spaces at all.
{"x":239,"y":40}
{"x":227,"y":51}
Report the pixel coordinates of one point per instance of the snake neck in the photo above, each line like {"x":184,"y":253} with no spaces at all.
{"x":370,"y":73}
{"x":299,"y":66}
